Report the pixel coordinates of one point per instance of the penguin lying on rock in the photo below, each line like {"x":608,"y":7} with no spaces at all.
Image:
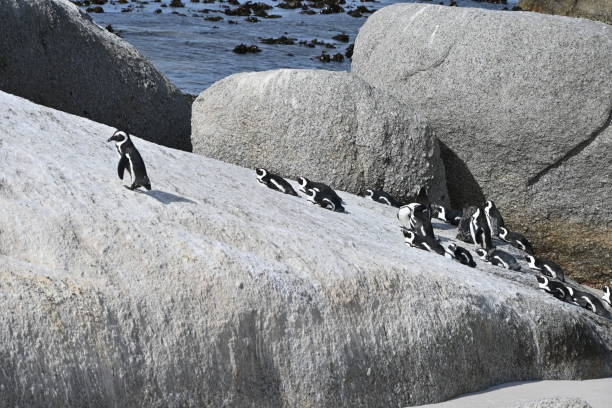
{"x":382,"y":197}
{"x":130,"y":160}
{"x":548,"y":268}
{"x":445,"y":214}
{"x":557,"y":289}
{"x":424,"y":242}
{"x":516,"y":240}
{"x":498,"y":257}
{"x":462,"y":255}
{"x":322,"y":193}
{"x":274,"y":182}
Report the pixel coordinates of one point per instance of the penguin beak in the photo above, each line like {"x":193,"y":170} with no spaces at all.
{"x":110,"y":139}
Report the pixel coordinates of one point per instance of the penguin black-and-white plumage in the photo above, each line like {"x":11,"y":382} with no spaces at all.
{"x":479,"y":230}
{"x":382,"y":197}
{"x":416,"y":217}
{"x":587,"y":300}
{"x":463,"y":229}
{"x":424,"y":242}
{"x":323,"y":199}
{"x":516,"y":240}
{"x":498,"y":257}
{"x":462,"y":255}
{"x":446,"y":214}
{"x":274,"y":181}
{"x":555,"y":288}
{"x":130,"y":160}
{"x":548,"y":268}
{"x":606,"y":295}
{"x":494,"y":217}
{"x":323,"y":189}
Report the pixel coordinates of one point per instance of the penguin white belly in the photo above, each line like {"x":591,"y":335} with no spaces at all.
{"x":132,"y":174}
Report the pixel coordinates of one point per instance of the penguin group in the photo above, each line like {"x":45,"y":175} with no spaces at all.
{"x":480,"y":226}
{"x":476,"y":225}
{"x":316,"y":192}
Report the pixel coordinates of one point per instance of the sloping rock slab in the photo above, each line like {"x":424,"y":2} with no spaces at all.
{"x":212,"y":290}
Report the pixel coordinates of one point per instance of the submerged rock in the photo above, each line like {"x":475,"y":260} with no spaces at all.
{"x":211,"y":290}
{"x":600,"y":10}
{"x":55,"y":55}
{"x":522,"y":104}
{"x":328,"y":126}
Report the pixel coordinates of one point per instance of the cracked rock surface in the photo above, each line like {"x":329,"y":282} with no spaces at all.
{"x":327,"y":126}
{"x":521,"y":103}
{"x":212,"y":290}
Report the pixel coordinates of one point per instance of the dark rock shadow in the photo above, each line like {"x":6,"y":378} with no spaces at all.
{"x":166,"y":198}
{"x":463,"y":188}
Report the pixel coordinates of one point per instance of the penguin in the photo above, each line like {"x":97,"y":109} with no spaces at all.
{"x":516,"y":240}
{"x":498,"y":257}
{"x":463,"y":230}
{"x":479,"y":230}
{"x":382,"y":197}
{"x":556,"y":289}
{"x":130,"y":160}
{"x":445,"y":214}
{"x":587,"y":301}
{"x":321,"y":188}
{"x":494,"y":218}
{"x":274,"y":182}
{"x":606,"y":295}
{"x":416,"y":217}
{"x":548,"y":268}
{"x":322,"y":199}
{"x":462,"y":255}
{"x":424,"y":242}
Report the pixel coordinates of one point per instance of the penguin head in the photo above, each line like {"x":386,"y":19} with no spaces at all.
{"x":261,"y":173}
{"x":503,"y":232}
{"x":489,"y":205}
{"x":311,"y":194}
{"x":606,"y":290}
{"x":119,"y":136}
{"x":484,"y":255}
{"x":543,"y":283}
{"x":530,"y":259}
{"x":409,"y":236}
{"x":476,"y":213}
{"x":303,"y":181}
{"x":452,"y":247}
{"x":369,"y":194}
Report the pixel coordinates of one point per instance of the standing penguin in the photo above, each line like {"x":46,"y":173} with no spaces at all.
{"x":130,"y":160}
{"x":479,"y":230}
{"x":606,"y":295}
{"x":321,"y":188}
{"x":274,"y":182}
{"x":416,"y":217}
{"x":548,"y":268}
{"x":382,"y":197}
{"x":516,"y":240}
{"x":494,"y":217}
{"x":462,"y":255}
{"x":463,"y":230}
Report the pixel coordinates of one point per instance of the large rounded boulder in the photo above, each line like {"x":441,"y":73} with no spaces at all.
{"x":211,"y":290}
{"x":327,"y":126}
{"x":53,"y":54}
{"x":521,"y":103}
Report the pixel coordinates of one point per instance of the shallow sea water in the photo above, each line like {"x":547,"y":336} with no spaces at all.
{"x":194,"y":53}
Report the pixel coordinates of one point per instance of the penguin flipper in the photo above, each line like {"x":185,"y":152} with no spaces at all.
{"x":124,"y":163}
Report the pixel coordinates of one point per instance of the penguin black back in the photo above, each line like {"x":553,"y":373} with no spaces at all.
{"x":274,"y":181}
{"x":131,"y":160}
